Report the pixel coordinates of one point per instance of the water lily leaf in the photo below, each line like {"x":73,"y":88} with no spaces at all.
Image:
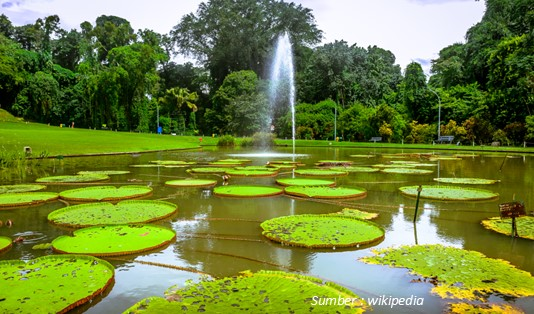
{"x":52,"y":284}
{"x":105,"y":193}
{"x":355,"y":169}
{"x":458,"y":273}
{"x":106,"y":172}
{"x":173,"y":162}
{"x":325,"y":192}
{"x":524,"y":225}
{"x":321,"y":231}
{"x":362,"y":156}
{"x":9,"y":200}
{"x":112,"y":240}
{"x":261,"y":292}
{"x":5,"y":244}
{"x":20,"y":188}
{"x":406,"y":171}
{"x":334,"y":163}
{"x":356,"y":213}
{"x":207,"y":170}
{"x":442,"y":192}
{"x":393,"y":166}
{"x":226,"y":163}
{"x":320,"y":172}
{"x":251,"y":173}
{"x":246,"y":191}
{"x":305,"y":182}
{"x":103,"y":213}
{"x":466,"y":180}
{"x":191,"y":183}
{"x":79,"y":178}
{"x":42,"y":246}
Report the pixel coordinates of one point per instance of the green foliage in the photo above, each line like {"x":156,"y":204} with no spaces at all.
{"x":246,"y":191}
{"x":319,"y":118}
{"x":9,"y":200}
{"x":452,"y":128}
{"x":18,"y":188}
{"x":529,"y":124}
{"x":105,"y":193}
{"x":420,"y":133}
{"x":524,"y":225}
{"x":500,"y":136}
{"x":226,"y":141}
{"x":80,"y":178}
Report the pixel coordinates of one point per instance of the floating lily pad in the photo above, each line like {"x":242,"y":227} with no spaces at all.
{"x":5,"y":243}
{"x":261,"y":292}
{"x":173,"y":162}
{"x":406,"y":171}
{"x":251,"y":173}
{"x":305,"y":182}
{"x":444,"y":158}
{"x":355,"y":169}
{"x":79,"y":178}
{"x":226,"y":163}
{"x":26,"y":199}
{"x":207,"y":170}
{"x":282,"y":162}
{"x":466,"y":180}
{"x":20,"y":188}
{"x":52,"y":284}
{"x":246,"y":191}
{"x":112,"y":240}
{"x":321,"y":231}
{"x":393,"y":166}
{"x":106,"y":172}
{"x":146,"y":166}
{"x":325,"y":192}
{"x":334,"y":163}
{"x":453,"y":193}
{"x":362,"y":156}
{"x":524,"y":225}
{"x":105,"y":193}
{"x":356,"y":213}
{"x":191,"y":183}
{"x":236,"y":160}
{"x":103,"y":213}
{"x":282,"y":166}
{"x":256,"y":168}
{"x":485,"y":308}
{"x":320,"y":172}
{"x":458,"y":273}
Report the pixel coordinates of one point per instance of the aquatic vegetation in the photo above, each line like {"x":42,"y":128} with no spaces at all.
{"x":436,"y":158}
{"x":207,"y":170}
{"x":5,"y":243}
{"x":52,"y":284}
{"x":8,"y":200}
{"x":321,"y":231}
{"x":252,"y":173}
{"x":462,"y":308}
{"x":458,"y":273}
{"x":393,"y":166}
{"x":334,"y":163}
{"x":466,"y":180}
{"x":354,"y":169}
{"x":524,"y":225}
{"x":106,"y":172}
{"x":74,"y":179}
{"x":105,"y":193}
{"x":246,"y":191}
{"x":356,"y":213}
{"x":173,"y":162}
{"x":19,"y":188}
{"x":103,"y":213}
{"x":325,"y":191}
{"x":305,"y":182}
{"x":260,"y":292}
{"x":406,"y":171}
{"x":320,"y":172}
{"x":191,"y":183}
{"x":449,"y":193}
{"x":362,"y":156}
{"x":226,"y":163}
{"x":112,"y":240}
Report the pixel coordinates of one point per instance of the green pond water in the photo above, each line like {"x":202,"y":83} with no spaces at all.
{"x":222,"y":236}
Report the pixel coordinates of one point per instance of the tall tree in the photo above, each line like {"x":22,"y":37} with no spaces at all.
{"x":416,"y":94}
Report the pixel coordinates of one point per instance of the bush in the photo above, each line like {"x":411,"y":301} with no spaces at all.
{"x":420,"y":133}
{"x":226,"y":141}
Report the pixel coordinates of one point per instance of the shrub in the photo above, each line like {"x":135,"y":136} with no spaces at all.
{"x":226,"y":141}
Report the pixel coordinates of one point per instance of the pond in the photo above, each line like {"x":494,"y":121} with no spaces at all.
{"x":222,"y":236}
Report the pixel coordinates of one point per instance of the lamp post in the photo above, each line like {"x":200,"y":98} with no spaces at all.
{"x":439,"y":110}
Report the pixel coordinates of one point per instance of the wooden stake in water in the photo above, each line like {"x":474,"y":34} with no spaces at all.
{"x":419,"y":189}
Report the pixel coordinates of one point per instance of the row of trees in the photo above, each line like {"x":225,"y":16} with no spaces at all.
{"x":108,"y":74}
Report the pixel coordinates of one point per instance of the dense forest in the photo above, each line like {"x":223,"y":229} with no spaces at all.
{"x":106,"y":75}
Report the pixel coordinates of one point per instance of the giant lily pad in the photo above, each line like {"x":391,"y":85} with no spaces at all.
{"x":26,"y":199}
{"x":458,"y":273}
{"x":334,"y":163}
{"x":246,"y":191}
{"x":440,"y":192}
{"x":321,"y":231}
{"x":320,"y":172}
{"x":103,"y":213}
{"x":524,"y":225}
{"x":112,"y":240}
{"x":79,"y":178}
{"x":52,"y":284}
{"x":305,"y":182}
{"x":20,"y":188}
{"x":325,"y":192}
{"x":261,"y":292}
{"x":191,"y":183}
{"x":466,"y":180}
{"x":106,"y":172}
{"x":406,"y":171}
{"x":105,"y":193}
{"x":207,"y":170}
{"x":173,"y":163}
{"x":355,"y":169}
{"x":356,"y":213}
{"x":5,"y":243}
{"x":251,"y":173}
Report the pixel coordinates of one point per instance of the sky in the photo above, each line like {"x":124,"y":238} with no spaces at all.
{"x":414,"y":30}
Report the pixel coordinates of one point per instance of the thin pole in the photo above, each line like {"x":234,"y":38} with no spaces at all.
{"x":419,"y":189}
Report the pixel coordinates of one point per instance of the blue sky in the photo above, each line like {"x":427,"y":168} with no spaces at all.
{"x":414,"y":30}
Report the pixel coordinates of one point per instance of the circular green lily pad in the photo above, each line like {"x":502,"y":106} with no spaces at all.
{"x":466,"y":180}
{"x":524,"y":225}
{"x":325,"y":192}
{"x":225,"y":163}
{"x":106,"y":172}
{"x":173,"y":162}
{"x":321,"y":231}
{"x":406,"y":171}
{"x":5,"y":243}
{"x":246,"y":191}
{"x":256,"y":168}
{"x":305,"y":182}
{"x":207,"y":170}
{"x":191,"y":183}
{"x":282,"y":162}
{"x":103,"y":213}
{"x":53,"y":283}
{"x":261,"y":292}
{"x":452,"y":193}
{"x":26,"y":199}
{"x":112,"y":240}
{"x":251,"y":173}
{"x":74,"y":179}
{"x":355,"y":169}
{"x":320,"y":172}
{"x":334,"y":163}
{"x":444,"y":158}
{"x":458,"y":273}
{"x":356,"y":213}
{"x":361,"y":156}
{"x":19,"y":188}
{"x":105,"y":193}
{"x":393,"y":166}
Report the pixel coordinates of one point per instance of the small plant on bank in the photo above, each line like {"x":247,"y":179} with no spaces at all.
{"x":226,"y":141}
